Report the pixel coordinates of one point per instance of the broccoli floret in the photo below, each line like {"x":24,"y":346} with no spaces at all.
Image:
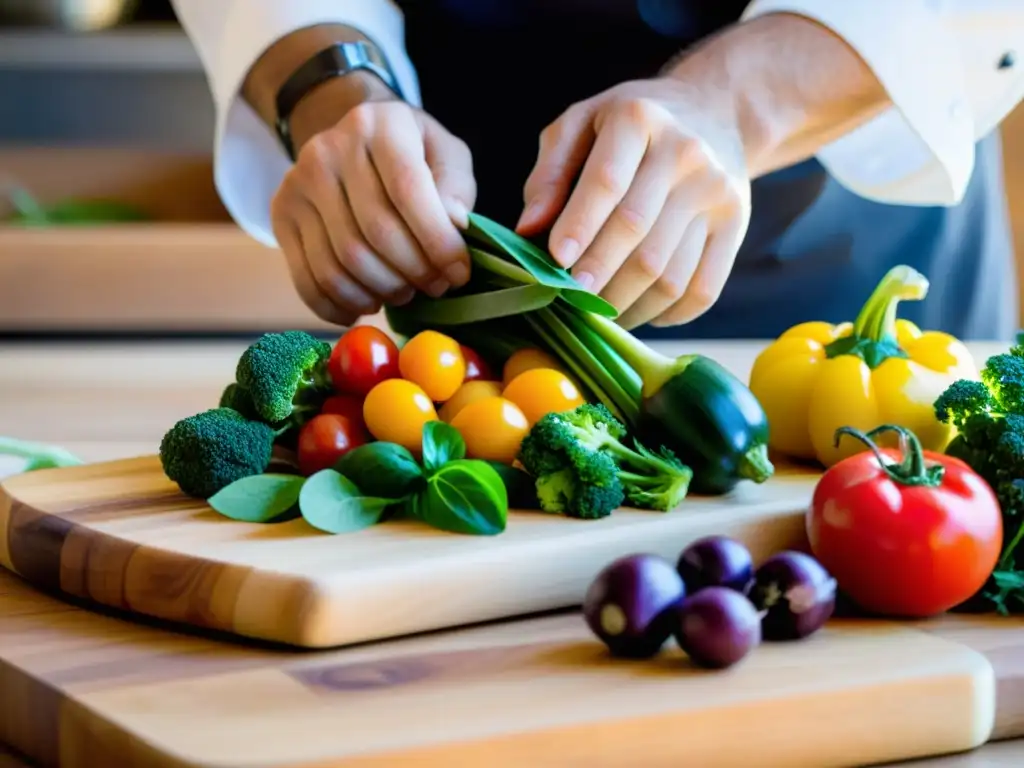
{"x":587,"y":490}
{"x":1003,"y":375}
{"x":962,"y":399}
{"x":989,"y":418}
{"x":286,"y":375}
{"x":210,"y":450}
{"x":236,"y":398}
{"x":588,"y":439}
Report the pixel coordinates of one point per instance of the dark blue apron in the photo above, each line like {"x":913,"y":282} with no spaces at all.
{"x":495,"y":72}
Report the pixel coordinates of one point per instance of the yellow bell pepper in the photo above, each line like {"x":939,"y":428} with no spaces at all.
{"x":817,"y":377}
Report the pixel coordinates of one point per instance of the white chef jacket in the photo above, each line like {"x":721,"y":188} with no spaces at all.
{"x":938,"y":59}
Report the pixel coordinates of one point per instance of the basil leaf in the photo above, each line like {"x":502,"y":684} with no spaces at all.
{"x":441,"y":443}
{"x":382,"y":469}
{"x":265,"y":498}
{"x":519,"y":486}
{"x":538,"y":263}
{"x":465,"y":496}
{"x":331,"y":502}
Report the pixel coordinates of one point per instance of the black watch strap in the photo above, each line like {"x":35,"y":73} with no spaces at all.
{"x":335,"y":61}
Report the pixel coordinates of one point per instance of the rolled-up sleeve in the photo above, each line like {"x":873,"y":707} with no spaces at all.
{"x":229,"y":36}
{"x":950,"y":69}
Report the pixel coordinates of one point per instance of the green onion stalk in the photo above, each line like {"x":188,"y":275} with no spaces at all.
{"x":518,"y":297}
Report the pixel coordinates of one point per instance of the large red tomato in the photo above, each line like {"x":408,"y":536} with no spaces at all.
{"x":362,"y":358}
{"x":912,"y":538}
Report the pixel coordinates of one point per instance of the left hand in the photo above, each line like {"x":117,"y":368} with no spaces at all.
{"x":662,"y":202}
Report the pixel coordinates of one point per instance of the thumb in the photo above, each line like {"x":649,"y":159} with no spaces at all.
{"x":451,"y":164}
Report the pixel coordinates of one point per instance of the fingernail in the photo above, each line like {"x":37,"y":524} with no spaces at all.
{"x":404,"y":296}
{"x":437,"y":288}
{"x":457,"y":274}
{"x":567,"y":252}
{"x":585,"y":279}
{"x":458,"y":212}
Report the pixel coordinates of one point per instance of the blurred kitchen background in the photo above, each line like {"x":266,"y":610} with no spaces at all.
{"x":106,"y":100}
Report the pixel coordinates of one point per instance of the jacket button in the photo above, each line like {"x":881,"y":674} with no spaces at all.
{"x":1007,"y":60}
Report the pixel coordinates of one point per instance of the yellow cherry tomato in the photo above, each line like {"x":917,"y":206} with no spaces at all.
{"x":541,"y":391}
{"x":434,"y":362}
{"x":468,"y":393}
{"x":395,"y":411}
{"x":527,"y":359}
{"x":492,"y":429}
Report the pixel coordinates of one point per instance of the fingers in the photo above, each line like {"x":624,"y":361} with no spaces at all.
{"x":710,"y":278}
{"x":363,"y":206}
{"x":649,"y":261}
{"x":398,"y":153}
{"x":564,"y":146}
{"x":672,"y":284}
{"x":646,"y":207}
{"x":606,"y":177}
{"x":321,"y":304}
{"x":451,"y":164}
{"x":343,"y":288}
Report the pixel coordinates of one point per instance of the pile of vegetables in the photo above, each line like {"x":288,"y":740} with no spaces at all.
{"x":519,"y":388}
{"x":713,"y":602}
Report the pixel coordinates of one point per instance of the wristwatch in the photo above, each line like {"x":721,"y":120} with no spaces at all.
{"x":337,"y":60}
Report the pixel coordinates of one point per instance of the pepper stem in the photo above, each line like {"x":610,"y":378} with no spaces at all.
{"x":877,"y":318}
{"x":912,"y":470}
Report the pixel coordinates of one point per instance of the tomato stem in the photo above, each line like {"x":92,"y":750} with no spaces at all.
{"x":912,"y":470}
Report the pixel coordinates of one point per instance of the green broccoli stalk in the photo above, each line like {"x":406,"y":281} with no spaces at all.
{"x":285,"y":375}
{"x":590,"y":437}
{"x":989,"y":418}
{"x":210,"y":450}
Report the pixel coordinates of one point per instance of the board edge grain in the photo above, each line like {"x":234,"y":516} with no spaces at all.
{"x":54,"y":554}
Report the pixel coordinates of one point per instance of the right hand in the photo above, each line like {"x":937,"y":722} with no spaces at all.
{"x":371,"y":211}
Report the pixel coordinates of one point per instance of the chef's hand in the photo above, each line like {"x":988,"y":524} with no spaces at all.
{"x":370,"y":210}
{"x":662,"y":200}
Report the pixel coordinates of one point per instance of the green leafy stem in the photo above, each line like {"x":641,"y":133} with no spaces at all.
{"x":37,"y":455}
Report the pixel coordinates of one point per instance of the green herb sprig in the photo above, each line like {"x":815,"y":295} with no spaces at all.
{"x":37,"y":455}
{"x":380,"y":481}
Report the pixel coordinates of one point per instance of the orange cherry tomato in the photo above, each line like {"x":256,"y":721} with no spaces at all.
{"x":527,"y":359}
{"x":434,"y":362}
{"x":492,"y":429}
{"x":396,"y":410}
{"x":468,"y":393}
{"x":541,"y":391}
{"x":477,"y":368}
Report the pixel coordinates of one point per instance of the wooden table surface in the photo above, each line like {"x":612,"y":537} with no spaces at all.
{"x":115,"y":400}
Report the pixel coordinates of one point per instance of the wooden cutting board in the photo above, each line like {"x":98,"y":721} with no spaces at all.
{"x":121,"y":534}
{"x":79,"y":689}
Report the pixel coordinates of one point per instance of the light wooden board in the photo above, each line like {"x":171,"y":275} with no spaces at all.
{"x":121,"y":534}
{"x":80,"y":689}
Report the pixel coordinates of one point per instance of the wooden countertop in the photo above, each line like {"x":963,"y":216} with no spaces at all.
{"x":115,"y":400}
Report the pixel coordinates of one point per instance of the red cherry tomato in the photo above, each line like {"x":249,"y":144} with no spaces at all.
{"x":911,"y":539}
{"x":476,"y":368}
{"x":326,"y":438}
{"x":349,"y":406}
{"x":362,"y":358}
